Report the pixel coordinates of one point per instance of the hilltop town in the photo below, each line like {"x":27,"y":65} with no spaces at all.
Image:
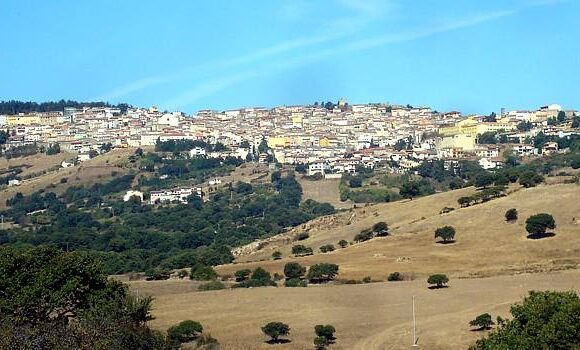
{"x":329,"y":138}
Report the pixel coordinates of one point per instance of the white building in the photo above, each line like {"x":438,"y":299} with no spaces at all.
{"x":127,"y":197}
{"x":197,"y":151}
{"x":176,"y":194}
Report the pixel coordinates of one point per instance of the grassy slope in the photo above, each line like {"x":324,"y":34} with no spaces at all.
{"x":486,"y":244}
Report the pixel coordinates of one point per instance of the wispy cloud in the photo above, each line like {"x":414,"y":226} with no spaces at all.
{"x":215,"y":85}
{"x":330,"y":30}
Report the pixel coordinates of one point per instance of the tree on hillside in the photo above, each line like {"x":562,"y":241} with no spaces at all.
{"x":277,"y":255}
{"x":545,"y":320}
{"x":438,"y":280}
{"x":342,"y":243}
{"x":381,"y":228}
{"x":327,"y":248}
{"x":322,"y":272}
{"x":294,"y":270}
{"x":484,"y":179}
{"x":242,"y":275}
{"x":530,"y":179}
{"x":275,"y":330}
{"x":447,"y":233}
{"x":301,"y":250}
{"x":363,"y":236}
{"x":464,"y":201}
{"x":482,"y":321}
{"x":324,"y":335}
{"x":536,"y":225}
{"x":201,"y":272}
{"x":511,"y":215}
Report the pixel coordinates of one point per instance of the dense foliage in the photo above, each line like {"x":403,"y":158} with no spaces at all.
{"x":57,"y":300}
{"x":130,"y":236}
{"x":545,"y":320}
{"x":15,"y":107}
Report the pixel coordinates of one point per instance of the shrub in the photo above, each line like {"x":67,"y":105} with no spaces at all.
{"x":395,"y":276}
{"x":182,"y":274}
{"x":294,"y":270}
{"x":212,"y":285}
{"x":276,"y":255}
{"x":295,"y":282}
{"x":301,"y":250}
{"x":342,"y":243}
{"x":157,"y":274}
{"x":511,"y":215}
{"x":242,"y":275}
{"x":327,"y":248}
{"x":275,"y":330}
{"x":439,"y":280}
{"x":324,"y":335}
{"x":185,"y":331}
{"x":363,"y":236}
{"x":482,"y":321}
{"x":464,"y":201}
{"x":381,"y":228}
{"x":367,"y":279}
{"x":302,"y":236}
{"x":63,"y":180}
{"x":201,"y":272}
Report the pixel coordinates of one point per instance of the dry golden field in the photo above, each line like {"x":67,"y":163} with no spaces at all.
{"x":323,"y":191}
{"x":485,"y":244}
{"x":366,"y":316}
{"x":491,"y":265}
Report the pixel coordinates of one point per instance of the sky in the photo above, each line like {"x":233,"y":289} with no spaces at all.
{"x":470,"y":55}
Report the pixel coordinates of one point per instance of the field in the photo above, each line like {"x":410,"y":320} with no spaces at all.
{"x":369,"y":316}
{"x":98,"y":169}
{"x":324,"y":191}
{"x":485,"y":244}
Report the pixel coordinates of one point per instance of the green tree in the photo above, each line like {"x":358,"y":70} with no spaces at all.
{"x":242,"y":275}
{"x":363,"y":236}
{"x":326,"y":332}
{"x":275,"y":330}
{"x":545,"y":320}
{"x":561,"y":117}
{"x":539,"y":223}
{"x":277,"y":255}
{"x":482,"y":321}
{"x":530,"y":179}
{"x":575,"y":123}
{"x":381,"y":228}
{"x":201,"y":272}
{"x":511,"y":215}
{"x":343,"y":243}
{"x":185,"y":331}
{"x":301,"y":250}
{"x":323,"y":272}
{"x":447,"y":233}
{"x":464,"y":201}
{"x":327,"y":248}
{"x":439,"y":280}
{"x":484,"y":179}
{"x":294,"y":270}
{"x":395,"y":276}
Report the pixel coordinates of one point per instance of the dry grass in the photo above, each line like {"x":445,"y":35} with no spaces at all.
{"x":486,"y":245}
{"x":324,"y":191}
{"x":98,"y":169}
{"x":370,"y":316}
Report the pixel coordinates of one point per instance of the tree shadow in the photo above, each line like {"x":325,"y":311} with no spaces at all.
{"x":481,"y":329}
{"x":449,"y":241}
{"x":437,"y":287}
{"x":541,"y":235}
{"x":278,"y":341}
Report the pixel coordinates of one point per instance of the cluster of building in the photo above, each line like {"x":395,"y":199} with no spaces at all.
{"x":329,"y":141}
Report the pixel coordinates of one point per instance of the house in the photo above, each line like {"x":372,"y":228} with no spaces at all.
{"x":197,"y":151}
{"x":13,"y":182}
{"x":214,"y":182}
{"x":317,"y":168}
{"x":176,"y":194}
{"x":550,"y":148}
{"x":83,"y":157}
{"x":524,"y":150}
{"x":130,"y":194}
{"x":66,"y":164}
{"x":491,"y":163}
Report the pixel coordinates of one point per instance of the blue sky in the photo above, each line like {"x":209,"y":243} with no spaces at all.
{"x":469,"y":55}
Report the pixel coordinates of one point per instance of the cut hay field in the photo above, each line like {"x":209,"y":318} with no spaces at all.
{"x":366,"y":316}
{"x":485,"y":244}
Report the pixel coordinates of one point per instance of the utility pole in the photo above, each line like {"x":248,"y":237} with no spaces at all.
{"x":415,"y":340}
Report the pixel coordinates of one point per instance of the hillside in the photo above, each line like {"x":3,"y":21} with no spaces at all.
{"x":485,"y":244}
